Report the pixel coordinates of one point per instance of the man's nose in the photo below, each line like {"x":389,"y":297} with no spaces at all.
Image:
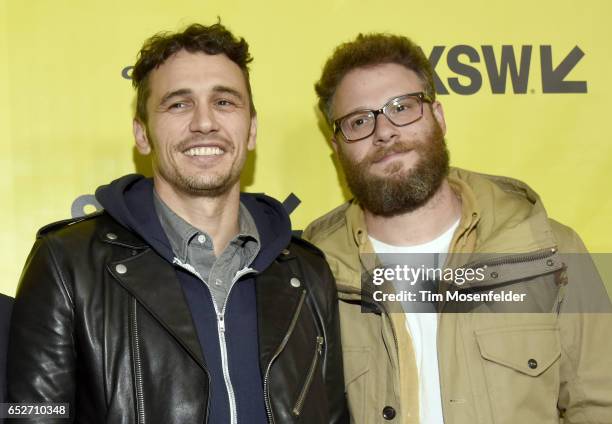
{"x":384,"y":131}
{"x":203,"y":119}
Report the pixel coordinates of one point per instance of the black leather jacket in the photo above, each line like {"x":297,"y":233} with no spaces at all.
{"x":121,"y":347}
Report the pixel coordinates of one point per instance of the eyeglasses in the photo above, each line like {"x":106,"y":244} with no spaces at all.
{"x":400,"y":111}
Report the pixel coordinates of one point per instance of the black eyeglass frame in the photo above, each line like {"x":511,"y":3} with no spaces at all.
{"x":420,"y":95}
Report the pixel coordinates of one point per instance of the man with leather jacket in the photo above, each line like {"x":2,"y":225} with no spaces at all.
{"x":184,"y":301}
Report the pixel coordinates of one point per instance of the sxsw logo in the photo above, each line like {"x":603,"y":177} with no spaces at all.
{"x":509,"y":70}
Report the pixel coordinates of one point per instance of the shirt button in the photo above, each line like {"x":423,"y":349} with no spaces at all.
{"x":388,"y":413}
{"x":201,"y":239}
{"x":532,"y":363}
{"x":218,"y":282}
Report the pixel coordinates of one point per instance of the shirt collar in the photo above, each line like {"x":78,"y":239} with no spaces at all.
{"x":180,"y":232}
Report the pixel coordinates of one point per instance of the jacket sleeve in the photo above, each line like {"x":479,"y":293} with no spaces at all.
{"x":585,"y":321}
{"x":333,"y":366}
{"x":41,"y":351}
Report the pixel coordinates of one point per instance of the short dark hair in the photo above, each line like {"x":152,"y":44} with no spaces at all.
{"x":370,"y":50}
{"x":196,"y":38}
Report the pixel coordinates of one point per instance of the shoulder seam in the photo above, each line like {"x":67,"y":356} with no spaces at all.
{"x":65,"y":223}
{"x":337,"y":222}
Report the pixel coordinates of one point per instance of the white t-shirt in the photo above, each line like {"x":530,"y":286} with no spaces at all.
{"x":423,"y":328}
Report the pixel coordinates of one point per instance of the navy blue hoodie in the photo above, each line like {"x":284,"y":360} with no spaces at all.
{"x":129,"y":200}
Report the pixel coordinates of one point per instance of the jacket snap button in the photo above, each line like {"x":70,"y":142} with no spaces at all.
{"x":121,"y":269}
{"x":494,"y":274}
{"x":285,"y":252}
{"x":550,"y":262}
{"x":295,"y":282}
{"x":388,"y":413}
{"x":532,"y":363}
{"x":111,"y":236}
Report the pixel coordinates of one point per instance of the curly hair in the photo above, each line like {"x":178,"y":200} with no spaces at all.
{"x":196,"y":38}
{"x":370,"y":50}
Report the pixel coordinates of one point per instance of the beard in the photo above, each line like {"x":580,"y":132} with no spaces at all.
{"x":201,"y":185}
{"x":399,"y":191}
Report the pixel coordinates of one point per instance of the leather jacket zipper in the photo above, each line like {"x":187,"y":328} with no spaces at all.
{"x":140,"y":414}
{"x":225,"y":367}
{"x":277,"y":353}
{"x":297,"y":409}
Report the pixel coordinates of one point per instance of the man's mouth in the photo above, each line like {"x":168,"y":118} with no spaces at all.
{"x":204,"y":151}
{"x":384,"y":156}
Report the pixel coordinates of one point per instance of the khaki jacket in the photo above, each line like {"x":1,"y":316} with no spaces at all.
{"x":486,"y":360}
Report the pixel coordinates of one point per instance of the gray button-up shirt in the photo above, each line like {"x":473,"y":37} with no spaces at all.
{"x":193,"y":249}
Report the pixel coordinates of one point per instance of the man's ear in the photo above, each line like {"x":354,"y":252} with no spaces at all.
{"x":140,"y":137}
{"x":252,"y":134}
{"x":438,"y":113}
{"x":334,"y":143}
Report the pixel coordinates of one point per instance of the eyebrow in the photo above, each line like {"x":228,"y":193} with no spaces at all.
{"x":175,"y":93}
{"x":229,"y":90}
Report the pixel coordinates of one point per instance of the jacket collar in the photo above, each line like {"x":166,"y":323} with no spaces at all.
{"x":499,"y":215}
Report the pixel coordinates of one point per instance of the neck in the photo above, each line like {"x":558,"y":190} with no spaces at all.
{"x":216,"y":216}
{"x":421,"y":225}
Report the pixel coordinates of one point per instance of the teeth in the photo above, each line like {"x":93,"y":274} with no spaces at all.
{"x":204,"y":151}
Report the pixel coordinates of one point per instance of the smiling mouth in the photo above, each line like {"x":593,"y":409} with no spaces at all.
{"x":204,"y":151}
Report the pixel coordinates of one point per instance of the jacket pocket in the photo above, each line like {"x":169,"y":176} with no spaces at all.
{"x":299,"y":403}
{"x":521,"y":369}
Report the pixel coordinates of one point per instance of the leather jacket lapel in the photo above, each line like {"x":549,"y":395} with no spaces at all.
{"x":277,"y":302}
{"x":154,"y":283}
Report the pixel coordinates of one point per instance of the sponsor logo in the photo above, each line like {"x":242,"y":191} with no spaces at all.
{"x":514,"y":65}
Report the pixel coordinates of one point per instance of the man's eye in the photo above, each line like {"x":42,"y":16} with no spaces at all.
{"x":178,"y":106}
{"x":405,"y":106}
{"x":359,"y":121}
{"x":224,"y":103}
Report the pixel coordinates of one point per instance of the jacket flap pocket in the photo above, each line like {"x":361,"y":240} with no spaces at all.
{"x":356,"y":363}
{"x":530,"y":350}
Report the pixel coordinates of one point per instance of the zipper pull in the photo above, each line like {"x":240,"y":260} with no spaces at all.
{"x":320,"y":341}
{"x":221,"y":323}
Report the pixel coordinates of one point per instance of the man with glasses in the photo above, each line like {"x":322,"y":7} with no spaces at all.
{"x":377,"y":94}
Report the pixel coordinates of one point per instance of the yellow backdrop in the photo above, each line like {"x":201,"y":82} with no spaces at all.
{"x":65,"y":107}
